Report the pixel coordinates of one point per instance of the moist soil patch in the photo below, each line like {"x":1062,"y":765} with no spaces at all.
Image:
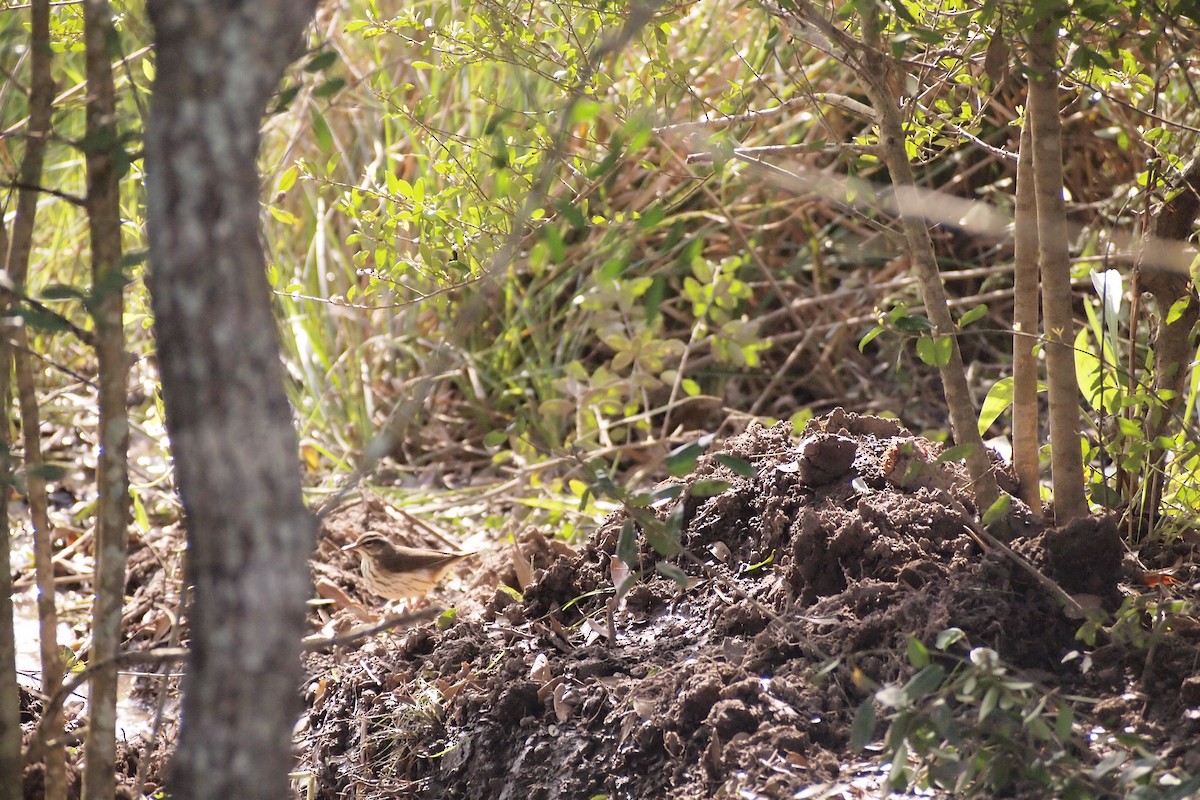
{"x":735,"y":666}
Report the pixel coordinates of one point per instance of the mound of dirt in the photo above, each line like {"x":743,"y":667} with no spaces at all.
{"x":734,"y":667}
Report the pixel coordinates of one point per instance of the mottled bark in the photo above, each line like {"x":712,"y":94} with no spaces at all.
{"x":112,"y":468}
{"x":1025,"y":329}
{"x":39,"y":514}
{"x":1066,"y":455}
{"x":227,"y":414}
{"x":10,"y":699}
{"x":1174,"y":346}
{"x":41,"y":99}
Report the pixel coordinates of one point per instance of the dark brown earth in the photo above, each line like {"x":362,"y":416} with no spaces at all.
{"x":807,"y":574}
{"x":804,"y":582}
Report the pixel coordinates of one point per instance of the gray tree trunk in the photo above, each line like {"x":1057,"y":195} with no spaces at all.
{"x":112,"y":467}
{"x":10,"y":698}
{"x":230,"y":424}
{"x":1026,"y":315}
{"x":16,"y":263}
{"x":1066,"y":453}
{"x":1174,"y":345}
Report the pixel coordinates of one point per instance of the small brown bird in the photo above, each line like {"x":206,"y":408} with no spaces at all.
{"x":396,"y":572}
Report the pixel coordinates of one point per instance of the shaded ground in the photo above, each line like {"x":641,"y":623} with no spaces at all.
{"x":808,"y":577}
{"x":808,"y":565}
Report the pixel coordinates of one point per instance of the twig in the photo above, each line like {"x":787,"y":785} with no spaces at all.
{"x":70,"y":198}
{"x":311,"y":643}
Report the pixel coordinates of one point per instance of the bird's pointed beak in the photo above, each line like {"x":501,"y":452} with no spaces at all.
{"x":351,"y":546}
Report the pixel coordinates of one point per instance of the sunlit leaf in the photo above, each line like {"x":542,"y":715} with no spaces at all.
{"x":935,"y":350}
{"x":998,"y":399}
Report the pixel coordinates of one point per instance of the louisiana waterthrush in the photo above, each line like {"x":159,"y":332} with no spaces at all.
{"x":396,"y":572}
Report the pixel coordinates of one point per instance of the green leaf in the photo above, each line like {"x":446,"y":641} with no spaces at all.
{"x":652,"y":216}
{"x":60,"y":291}
{"x":682,"y":460}
{"x":1104,"y":495}
{"x":863,"y":729}
{"x":49,"y":472}
{"x":134,"y":257}
{"x":998,"y":399}
{"x":511,"y":592}
{"x":948,"y":637}
{"x":1109,"y":763}
{"x":287,"y":179}
{"x":43,"y":321}
{"x":918,"y":653}
{"x":555,"y":242}
{"x":935,"y":350}
{"x":1064,"y":722}
{"x":286,"y":217}
{"x":139,"y":511}
{"x":584,"y":111}
{"x":1094,"y":377}
{"x":114,"y":280}
{"x":902,"y":12}
{"x":710,"y":487}
{"x":661,"y":534}
{"x":991,"y":699}
{"x":975,"y":313}
{"x":398,"y":186}
{"x":998,"y":510}
{"x":627,"y":548}
{"x":1039,"y":730}
{"x":71,"y":661}
{"x":1178,"y":308}
{"x":330,"y":87}
{"x":925,"y":682}
{"x":910,"y":324}
{"x":667,"y":492}
{"x":869,"y":337}
{"x":571,"y":213}
{"x":958,"y":452}
{"x":739,"y":466}
{"x":321,"y":132}
{"x":421,"y":65}
{"x":285,"y":99}
{"x":321,"y":61}
{"x":770,"y":559}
